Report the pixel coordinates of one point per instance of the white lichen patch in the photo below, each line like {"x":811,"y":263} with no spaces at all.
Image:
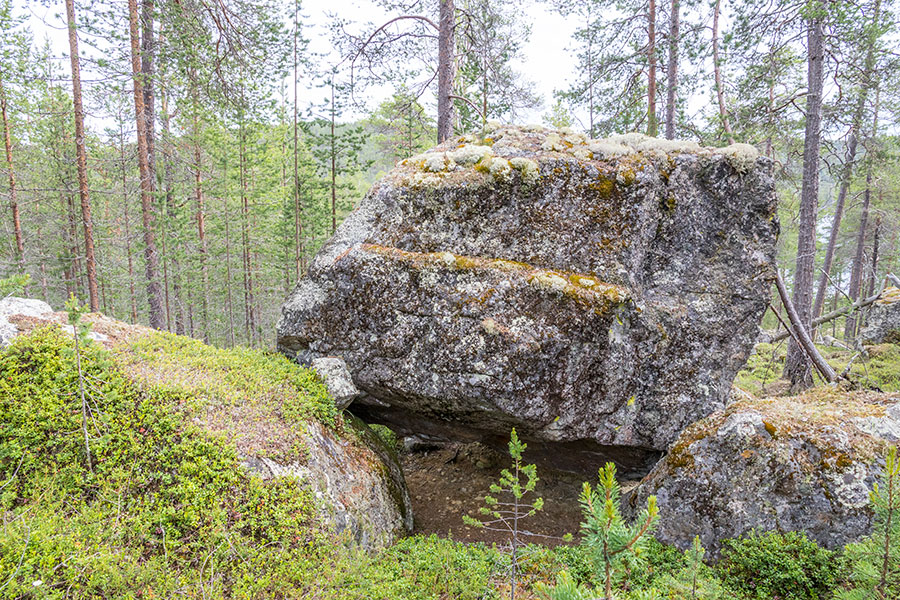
{"x":527,"y":167}
{"x":582,"y":154}
{"x":553,"y":143}
{"x":741,"y":156}
{"x":470,"y":154}
{"x":533,"y":128}
{"x":490,"y":326}
{"x":609,"y":149}
{"x":437,"y":162}
{"x":500,"y":168}
{"x":549,"y":281}
{"x":448,"y":258}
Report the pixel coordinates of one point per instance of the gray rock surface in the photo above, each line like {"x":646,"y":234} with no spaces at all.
{"x":12,"y":305}
{"x":802,"y":463}
{"x":361,"y":488}
{"x":599,"y":294}
{"x":337,"y":378}
{"x":883,"y":321}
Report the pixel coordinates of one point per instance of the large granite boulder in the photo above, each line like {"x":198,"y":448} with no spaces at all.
{"x":803,"y":463}
{"x":598,"y":295}
{"x":11,"y":305}
{"x":883,"y":319}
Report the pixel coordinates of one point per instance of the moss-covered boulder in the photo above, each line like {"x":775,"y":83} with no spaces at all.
{"x":599,"y":294}
{"x":205,"y":421}
{"x":804,"y":463}
{"x":883,"y":319}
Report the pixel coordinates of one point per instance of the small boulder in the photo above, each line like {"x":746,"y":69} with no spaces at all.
{"x":803,"y":463}
{"x":10,"y":306}
{"x":883,"y":322}
{"x":334,"y":373}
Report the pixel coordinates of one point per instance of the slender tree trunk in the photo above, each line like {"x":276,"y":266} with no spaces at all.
{"x":148,"y":183}
{"x":847,"y":171}
{"x":148,"y":57}
{"x":717,"y":71}
{"x":228,"y":296}
{"x":797,"y":365}
{"x":298,"y":215}
{"x":201,"y":230}
{"x":133,"y":296}
{"x":873,"y":270}
{"x":333,"y":165}
{"x":13,"y":199}
{"x":856,"y":272}
{"x":672,"y":70}
{"x":249,"y":320}
{"x":651,"y":75}
{"x":172,"y":214}
{"x":81,"y":160}
{"x":446,"y":52}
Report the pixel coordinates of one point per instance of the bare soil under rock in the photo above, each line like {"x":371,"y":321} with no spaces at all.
{"x":447,"y":482}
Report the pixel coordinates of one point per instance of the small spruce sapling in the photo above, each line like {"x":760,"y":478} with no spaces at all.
{"x":605,"y":532}
{"x":506,"y":516}
{"x":874,"y":561}
{"x":80,"y":333}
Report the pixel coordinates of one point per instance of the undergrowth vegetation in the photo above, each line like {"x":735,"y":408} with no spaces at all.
{"x":166,"y":510}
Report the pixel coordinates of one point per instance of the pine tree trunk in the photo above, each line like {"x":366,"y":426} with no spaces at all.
{"x":847,"y":171}
{"x":717,"y":72}
{"x":651,"y":75}
{"x":133,"y":296}
{"x":13,"y":199}
{"x":148,"y":183}
{"x":333,"y":166}
{"x":172,"y":216}
{"x":873,"y":270}
{"x":298,"y":215}
{"x":249,"y":321}
{"x":672,"y":70}
{"x":81,"y":160}
{"x":201,"y":230}
{"x":446,"y":55}
{"x":797,"y":367}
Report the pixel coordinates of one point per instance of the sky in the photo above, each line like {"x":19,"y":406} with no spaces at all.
{"x":544,"y":61}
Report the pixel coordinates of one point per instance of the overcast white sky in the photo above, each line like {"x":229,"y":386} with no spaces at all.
{"x":544,"y":61}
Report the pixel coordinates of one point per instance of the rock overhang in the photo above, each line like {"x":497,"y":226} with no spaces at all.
{"x":608,"y":258}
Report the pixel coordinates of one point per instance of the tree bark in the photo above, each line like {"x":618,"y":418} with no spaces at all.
{"x":13,"y":199}
{"x":651,"y":75}
{"x":800,"y":331}
{"x":172,"y":215}
{"x":717,"y":72}
{"x":850,"y":157}
{"x":148,"y":184}
{"x":797,"y":366}
{"x":298,"y":215}
{"x":672,"y":70}
{"x":446,"y":53}
{"x":249,"y":320}
{"x":861,"y":303}
{"x":81,"y":161}
{"x":133,"y":296}
{"x":856,"y":271}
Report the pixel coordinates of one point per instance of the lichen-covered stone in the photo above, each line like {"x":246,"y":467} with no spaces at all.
{"x":10,"y":306}
{"x":803,"y":463}
{"x":334,"y":373}
{"x":883,"y":321}
{"x":595,"y":292}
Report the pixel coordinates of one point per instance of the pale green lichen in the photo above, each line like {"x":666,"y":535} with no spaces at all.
{"x":549,"y":281}
{"x":553,"y":143}
{"x":437,"y":162}
{"x":527,"y":167}
{"x":741,"y":156}
{"x":500,"y":168}
{"x":490,"y":326}
{"x":470,"y":154}
{"x":582,"y":154}
{"x":609,"y":149}
{"x":533,"y":128}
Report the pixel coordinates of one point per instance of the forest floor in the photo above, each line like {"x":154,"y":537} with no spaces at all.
{"x":448,"y":482}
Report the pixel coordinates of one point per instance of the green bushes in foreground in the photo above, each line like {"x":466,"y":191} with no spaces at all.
{"x":167,"y":511}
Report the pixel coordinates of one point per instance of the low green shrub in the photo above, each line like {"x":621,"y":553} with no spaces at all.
{"x":788,"y":566}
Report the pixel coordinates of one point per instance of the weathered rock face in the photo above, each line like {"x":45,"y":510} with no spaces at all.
{"x":10,"y":306}
{"x":803,"y":463}
{"x":599,"y":294}
{"x":883,"y":322}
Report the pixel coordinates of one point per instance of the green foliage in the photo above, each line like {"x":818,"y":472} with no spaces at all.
{"x":387,"y":435}
{"x":14,"y":285}
{"x":565,"y":589}
{"x":514,"y":505}
{"x":614,"y":543}
{"x":773,"y":564}
{"x":875,"y":561}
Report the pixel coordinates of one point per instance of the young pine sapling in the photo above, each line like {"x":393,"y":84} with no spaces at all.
{"x":518,"y":503}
